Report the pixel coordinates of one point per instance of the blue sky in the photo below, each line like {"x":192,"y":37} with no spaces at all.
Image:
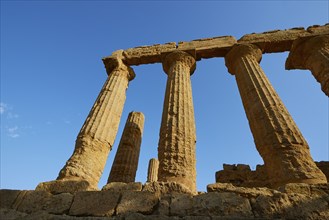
{"x":51,"y":74}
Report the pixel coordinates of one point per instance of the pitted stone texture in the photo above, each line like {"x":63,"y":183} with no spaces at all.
{"x":11,"y":214}
{"x":284,"y":150}
{"x":208,"y":47}
{"x":313,"y":54}
{"x":141,"y":202}
{"x":152,"y":173}
{"x":166,"y":188}
{"x":291,"y":206}
{"x":281,"y":40}
{"x":147,"y":54}
{"x":180,"y":204}
{"x":59,"y":204}
{"x":242,"y":191}
{"x":125,"y":163}
{"x":8,"y":197}
{"x":176,"y":150}
{"x":220,"y":204}
{"x":34,"y":201}
{"x":324,"y":167}
{"x":97,"y":135}
{"x":242,"y":175}
{"x":61,"y":186}
{"x":120,"y":187}
{"x":95,"y":203}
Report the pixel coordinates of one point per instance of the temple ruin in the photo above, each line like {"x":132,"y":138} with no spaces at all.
{"x":171,"y":189}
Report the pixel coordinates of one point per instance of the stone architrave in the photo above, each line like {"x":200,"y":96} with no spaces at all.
{"x":125,"y":163}
{"x":152,"y":174}
{"x":313,"y":54}
{"x":278,"y":140}
{"x":84,"y":168}
{"x":176,"y":150}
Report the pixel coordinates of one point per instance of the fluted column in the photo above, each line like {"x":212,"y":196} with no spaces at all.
{"x":84,"y":168}
{"x":152,"y":174}
{"x":125,"y":163}
{"x":176,"y":150}
{"x":278,"y":140}
{"x":313,"y":54}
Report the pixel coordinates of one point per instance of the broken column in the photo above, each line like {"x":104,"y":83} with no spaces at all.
{"x":152,"y":174}
{"x":284,"y":150}
{"x":125,"y":163}
{"x":96,"y":137}
{"x":312,"y":53}
{"x":176,"y":150}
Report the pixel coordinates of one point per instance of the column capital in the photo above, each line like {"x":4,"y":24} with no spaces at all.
{"x":303,"y":48}
{"x":178,"y":56}
{"x":115,"y":62}
{"x":241,"y":50}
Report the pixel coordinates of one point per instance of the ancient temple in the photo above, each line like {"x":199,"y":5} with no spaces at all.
{"x":286,"y":154}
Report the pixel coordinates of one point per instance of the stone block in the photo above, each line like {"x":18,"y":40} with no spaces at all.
{"x":33,"y":201}
{"x":165,"y":188}
{"x":65,"y":186}
{"x":120,"y":187}
{"x":242,"y":191}
{"x":208,"y":47}
{"x":243,"y":167}
{"x":274,"y":41}
{"x":180,"y":203}
{"x":229,"y":166}
{"x":94,"y":203}
{"x":164,"y":205}
{"x":271,"y":207}
{"x":141,"y":202}
{"x":318,"y":29}
{"x":11,"y":214}
{"x":8,"y":197}
{"x":147,"y":54}
{"x":301,"y":188}
{"x":59,"y":204}
{"x":220,"y":204}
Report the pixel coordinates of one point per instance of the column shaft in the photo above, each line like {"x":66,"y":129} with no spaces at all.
{"x":152,"y":174}
{"x":98,"y":133}
{"x":176,"y":150}
{"x":126,"y":159}
{"x":278,"y":140}
{"x":313,"y":54}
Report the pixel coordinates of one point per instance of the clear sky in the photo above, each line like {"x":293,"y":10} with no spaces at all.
{"x":51,"y":74}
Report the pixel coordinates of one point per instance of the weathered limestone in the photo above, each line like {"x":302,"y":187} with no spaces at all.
{"x":223,"y":201}
{"x":313,"y":54}
{"x":126,"y":159}
{"x":208,"y":47}
{"x":152,"y":174}
{"x":281,"y":40}
{"x":278,"y":140}
{"x":98,"y":133}
{"x":176,"y":150}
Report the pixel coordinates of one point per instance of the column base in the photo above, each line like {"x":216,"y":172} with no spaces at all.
{"x":66,"y":186}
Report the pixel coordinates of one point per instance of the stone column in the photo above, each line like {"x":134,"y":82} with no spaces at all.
{"x":152,"y":174}
{"x":176,"y":150}
{"x":313,"y":54}
{"x":125,"y":163}
{"x":278,"y":140}
{"x":95,"y":139}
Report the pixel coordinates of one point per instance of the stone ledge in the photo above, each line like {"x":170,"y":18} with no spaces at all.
{"x":223,"y":201}
{"x":269,"y":42}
